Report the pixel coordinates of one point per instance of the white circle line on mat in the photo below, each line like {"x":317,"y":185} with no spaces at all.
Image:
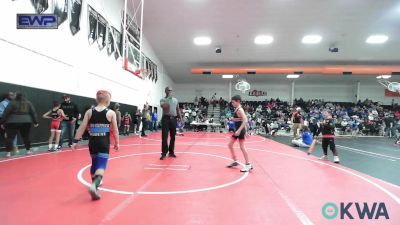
{"x":83,"y":181}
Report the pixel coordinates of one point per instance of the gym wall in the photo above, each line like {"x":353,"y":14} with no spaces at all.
{"x":56,"y":60}
{"x":42,"y":100}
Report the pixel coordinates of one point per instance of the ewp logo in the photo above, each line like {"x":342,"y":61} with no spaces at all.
{"x":37,"y":21}
{"x":331,"y":210}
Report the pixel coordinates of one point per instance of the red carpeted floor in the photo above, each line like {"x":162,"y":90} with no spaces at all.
{"x":285,"y":187}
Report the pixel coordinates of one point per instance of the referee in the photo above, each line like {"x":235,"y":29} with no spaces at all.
{"x":171,"y":113}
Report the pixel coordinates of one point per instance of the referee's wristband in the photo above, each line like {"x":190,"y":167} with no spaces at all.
{"x":75,"y":141}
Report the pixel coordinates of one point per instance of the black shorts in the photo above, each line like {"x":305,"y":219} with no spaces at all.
{"x":241,"y":136}
{"x":99,"y":146}
{"x":328,"y":142}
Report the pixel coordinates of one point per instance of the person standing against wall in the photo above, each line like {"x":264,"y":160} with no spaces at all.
{"x":18,"y":118}
{"x":68,"y":124}
{"x":118,"y":114}
{"x":171,"y":113}
{"x":137,"y":120}
{"x":145,"y":119}
{"x":3,"y":105}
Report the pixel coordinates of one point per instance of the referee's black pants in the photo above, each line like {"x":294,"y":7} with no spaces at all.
{"x":168,"y":124}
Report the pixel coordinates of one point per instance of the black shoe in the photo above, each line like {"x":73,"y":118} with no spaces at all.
{"x":59,"y":148}
{"x":163,"y":157}
{"x":144,"y":135}
{"x":172,"y":155}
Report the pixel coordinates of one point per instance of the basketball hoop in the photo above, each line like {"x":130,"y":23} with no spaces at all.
{"x":242,"y":85}
{"x":143,"y":73}
{"x":391,"y":86}
{"x":394,"y":87}
{"x":132,"y":34}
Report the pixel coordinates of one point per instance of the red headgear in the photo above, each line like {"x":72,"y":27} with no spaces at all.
{"x":100,"y":92}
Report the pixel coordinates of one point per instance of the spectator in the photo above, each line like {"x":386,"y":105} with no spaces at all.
{"x":297,"y":121}
{"x":137,"y":118}
{"x":154,"y":120}
{"x":3,"y":105}
{"x":145,"y":119}
{"x":68,"y":124}
{"x":118,"y":113}
{"x":18,"y":118}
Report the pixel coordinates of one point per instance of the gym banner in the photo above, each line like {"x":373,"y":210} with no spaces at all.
{"x":148,"y":66}
{"x":101,"y":31}
{"x":155,"y":73}
{"x":92,"y":22}
{"x":257,"y":93}
{"x":110,"y":41}
{"x":61,"y":10}
{"x":40,"y":5}
{"x":391,"y":93}
{"x":118,"y":41}
{"x":151,"y":67}
{"x":75,"y":7}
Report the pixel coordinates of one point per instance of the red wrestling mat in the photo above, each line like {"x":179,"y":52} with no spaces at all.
{"x":286,"y":187}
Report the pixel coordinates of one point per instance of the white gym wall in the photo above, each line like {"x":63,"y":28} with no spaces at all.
{"x":55,"y":60}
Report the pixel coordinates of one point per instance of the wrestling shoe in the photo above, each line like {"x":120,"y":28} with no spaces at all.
{"x":16,"y":152}
{"x":29,"y":152}
{"x":94,"y":193}
{"x":172,"y":155}
{"x":247,"y":168}
{"x":336,"y":159}
{"x":8,"y":155}
{"x":233,"y":164}
{"x":324,"y":157}
{"x":163,"y":157}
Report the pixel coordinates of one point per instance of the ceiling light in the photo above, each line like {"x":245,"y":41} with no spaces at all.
{"x":311,"y":39}
{"x":293,"y":76}
{"x":227,"y":76}
{"x":202,"y":40}
{"x":377,"y":39}
{"x":384,"y":77}
{"x":263,"y":40}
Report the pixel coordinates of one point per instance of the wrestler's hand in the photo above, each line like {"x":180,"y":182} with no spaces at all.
{"x":237,"y":133}
{"x":116,"y":147}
